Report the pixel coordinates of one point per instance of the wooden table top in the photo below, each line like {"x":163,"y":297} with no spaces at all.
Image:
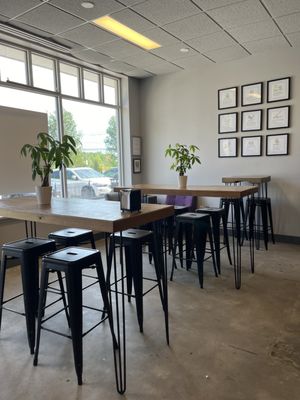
{"x":247,"y":178}
{"x":102,"y":216}
{"x":205,"y":191}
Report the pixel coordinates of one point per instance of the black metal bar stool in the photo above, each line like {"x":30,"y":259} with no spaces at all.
{"x":217,"y":215}
{"x":28,"y":252}
{"x":72,"y":261}
{"x":225,"y":203}
{"x":200,"y":224}
{"x":73,"y":237}
{"x":133,"y":241}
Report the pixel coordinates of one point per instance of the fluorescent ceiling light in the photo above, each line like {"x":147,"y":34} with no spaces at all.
{"x":126,"y":33}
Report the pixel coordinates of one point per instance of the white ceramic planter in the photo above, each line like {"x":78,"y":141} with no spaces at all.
{"x":43,"y":194}
{"x":182,"y":181}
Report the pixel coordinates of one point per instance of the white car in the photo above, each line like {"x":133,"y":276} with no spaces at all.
{"x":82,"y":182}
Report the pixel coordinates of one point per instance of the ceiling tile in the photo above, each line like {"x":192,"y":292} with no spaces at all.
{"x":101,"y":8}
{"x":289,"y":23}
{"x":160,"y":36}
{"x":143,"y":61}
{"x":173,"y":52}
{"x":133,"y":20}
{"x":131,"y":2}
{"x":239,"y":14}
{"x":227,"y":54}
{"x":29,"y":28}
{"x":214,"y":41}
{"x":258,"y":30}
{"x":165,"y":11}
{"x":211,"y":4}
{"x":294,"y":38}
{"x":282,"y":7}
{"x":119,"y":49}
{"x":166,"y":68}
{"x":3,"y":18}
{"x":50,"y":19}
{"x":119,"y":66}
{"x":259,"y":46}
{"x":89,"y":35}
{"x":12,"y":8}
{"x":91,"y":56}
{"x":192,"y":62}
{"x":139,"y":73}
{"x":192,"y":27}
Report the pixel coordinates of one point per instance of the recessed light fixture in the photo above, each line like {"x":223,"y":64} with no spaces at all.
{"x":184,"y":50}
{"x":87,"y":4}
{"x":126,"y":33}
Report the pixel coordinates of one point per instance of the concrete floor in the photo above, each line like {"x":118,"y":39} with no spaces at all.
{"x":225,"y":344}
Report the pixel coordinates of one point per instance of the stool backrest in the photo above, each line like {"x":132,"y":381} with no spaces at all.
{"x":187,"y":201}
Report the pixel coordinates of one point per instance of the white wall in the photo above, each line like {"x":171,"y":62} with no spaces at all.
{"x":182,"y":107}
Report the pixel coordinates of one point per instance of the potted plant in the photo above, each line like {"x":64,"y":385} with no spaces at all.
{"x":184,"y":158}
{"x":47,"y":154}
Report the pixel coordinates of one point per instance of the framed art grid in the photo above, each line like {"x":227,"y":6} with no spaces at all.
{"x":251,"y":146}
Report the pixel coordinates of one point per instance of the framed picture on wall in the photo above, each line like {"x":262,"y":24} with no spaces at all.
{"x":227,"y":123}
{"x":227,"y":147}
{"x":277,"y":145}
{"x":278,"y":90}
{"x":136,"y":165}
{"x":251,"y":120}
{"x":136,"y":145}
{"x":278,"y":117}
{"x":252,"y":94}
{"x":227,"y":98}
{"x":251,"y":146}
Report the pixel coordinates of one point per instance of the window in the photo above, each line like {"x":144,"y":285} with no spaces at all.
{"x":69,"y":79}
{"x":43,"y":72}
{"x":110,"y":90}
{"x":12,"y":65}
{"x":91,"y":85}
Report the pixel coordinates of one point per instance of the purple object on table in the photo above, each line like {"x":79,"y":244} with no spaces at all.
{"x":186,"y":201}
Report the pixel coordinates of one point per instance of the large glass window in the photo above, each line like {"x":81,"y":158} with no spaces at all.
{"x":43,"y":72}
{"x":69,"y":79}
{"x":95,"y":170}
{"x":110,"y":87}
{"x":91,"y":85}
{"x":12,"y":65}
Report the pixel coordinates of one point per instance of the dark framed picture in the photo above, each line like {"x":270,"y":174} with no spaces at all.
{"x":278,"y":90}
{"x":277,"y":145}
{"x":136,"y":165}
{"x":251,"y":120}
{"x":227,"y":147}
{"x":252,"y":94}
{"x":251,"y":146}
{"x":227,"y":123}
{"x":278,"y":117}
{"x":227,"y":98}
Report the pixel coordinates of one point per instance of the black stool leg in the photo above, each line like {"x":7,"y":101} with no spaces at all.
{"x":129,"y":261}
{"x":189,"y":245}
{"x":200,"y":239}
{"x":271,"y":220}
{"x":74,"y":293}
{"x":2,"y":282}
{"x":174,"y":249}
{"x":63,"y":296}
{"x":137,"y":274}
{"x":29,"y":271}
{"x":211,"y":242}
{"x":180,"y":243}
{"x":93,"y":245}
{"x":226,"y":238}
{"x":264,"y":217}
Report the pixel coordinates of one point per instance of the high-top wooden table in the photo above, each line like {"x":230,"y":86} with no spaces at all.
{"x":234,"y":193}
{"x":260,"y":180}
{"x":102,"y":216}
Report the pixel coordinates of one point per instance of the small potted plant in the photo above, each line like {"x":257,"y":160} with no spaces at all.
{"x":184,"y":158}
{"x":46,"y":154}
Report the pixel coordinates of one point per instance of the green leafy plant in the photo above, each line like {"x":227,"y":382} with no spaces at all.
{"x":184,"y":157}
{"x":49,"y":153}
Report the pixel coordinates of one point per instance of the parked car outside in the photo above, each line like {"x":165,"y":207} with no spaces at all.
{"x":113,"y":174}
{"x":82,"y":182}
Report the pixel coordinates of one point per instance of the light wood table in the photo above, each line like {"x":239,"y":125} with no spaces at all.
{"x":102,"y":216}
{"x":234,"y":193}
{"x":260,"y":180}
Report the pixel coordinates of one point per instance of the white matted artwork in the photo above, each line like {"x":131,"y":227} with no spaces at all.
{"x":251,"y":146}
{"x":277,"y":145}
{"x":136,"y":145}
{"x":227,"y":147}
{"x":136,"y":165}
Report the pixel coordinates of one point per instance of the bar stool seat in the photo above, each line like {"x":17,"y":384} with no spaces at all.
{"x":217,"y":215}
{"x":200,"y":224}
{"x":28,"y":252}
{"x":73,"y":237}
{"x":133,"y":241}
{"x":72,"y":261}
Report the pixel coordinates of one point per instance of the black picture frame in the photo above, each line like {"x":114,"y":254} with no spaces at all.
{"x":279,"y":89}
{"x":251,"y":120}
{"x":251,"y":146}
{"x":278,"y":117}
{"x":228,"y":147}
{"x":277,"y":144}
{"x":252,"y":94}
{"x":227,"y":98}
{"x":136,"y":165}
{"x":226,"y":120}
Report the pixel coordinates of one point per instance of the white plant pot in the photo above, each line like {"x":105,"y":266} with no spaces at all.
{"x":43,"y":194}
{"x":182,"y":181}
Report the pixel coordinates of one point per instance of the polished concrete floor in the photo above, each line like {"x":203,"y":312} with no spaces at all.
{"x":225,"y":344}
